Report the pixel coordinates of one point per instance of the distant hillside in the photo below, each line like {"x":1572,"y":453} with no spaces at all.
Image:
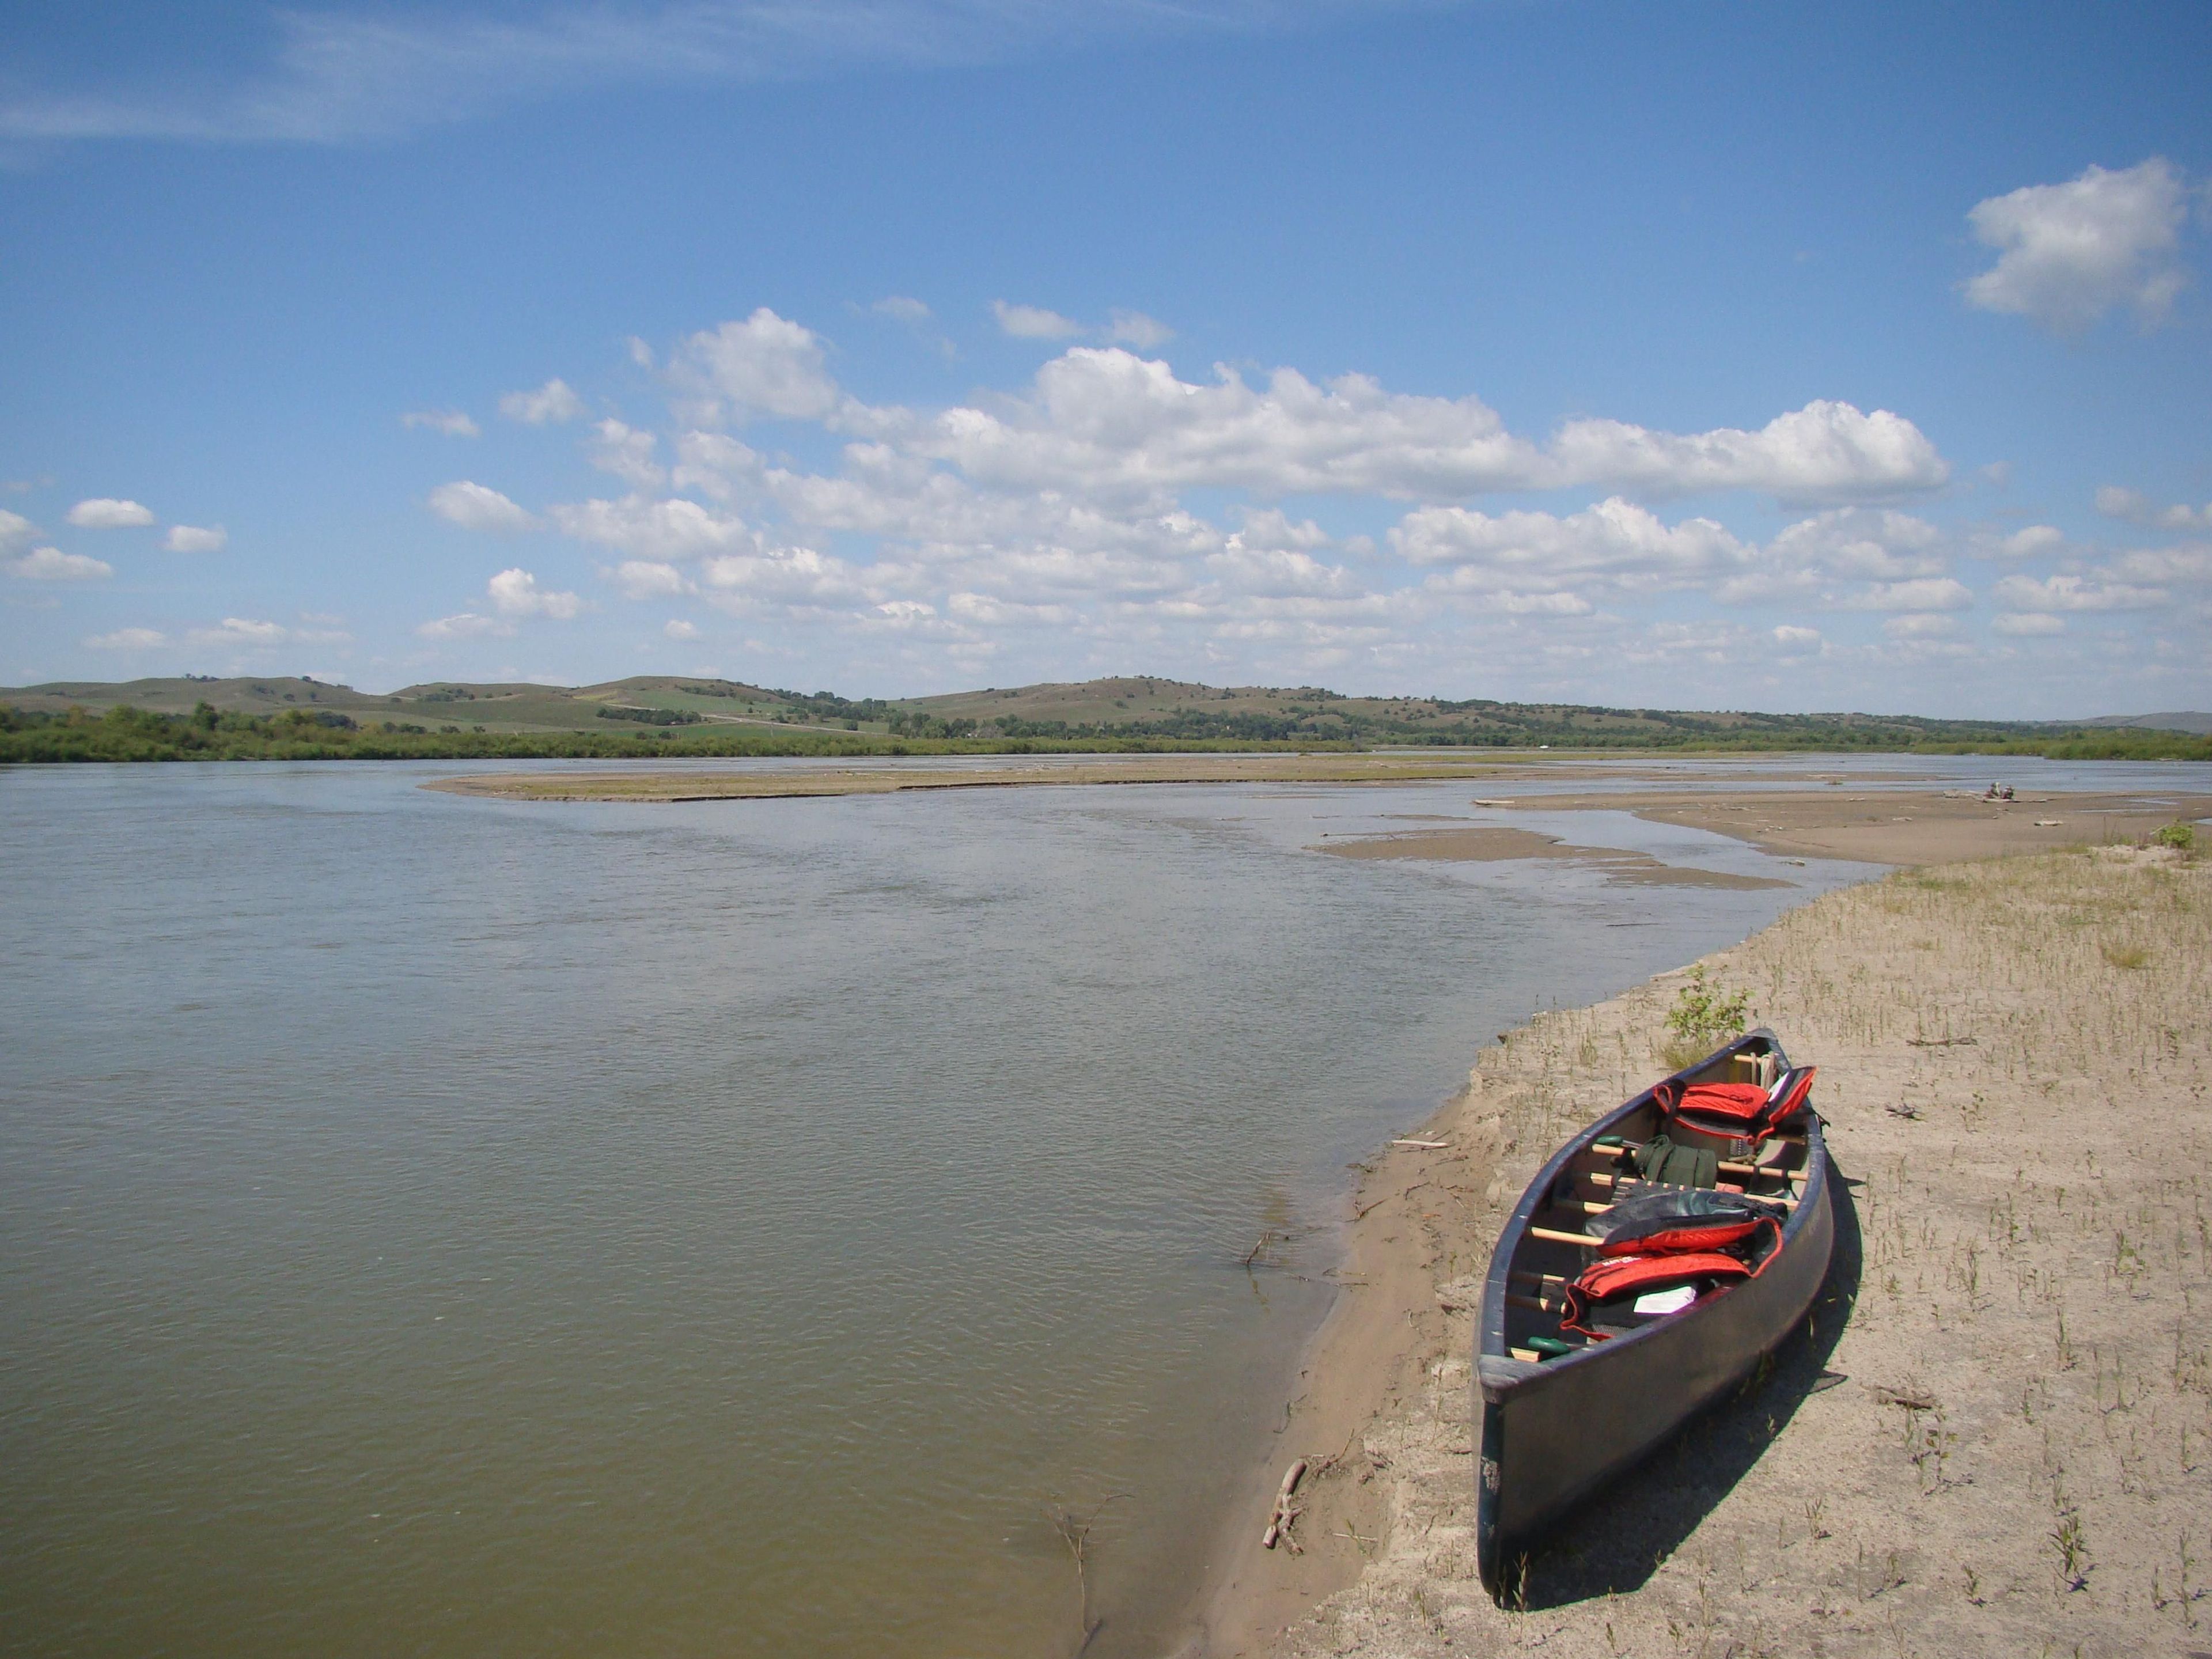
{"x":1173,"y":710}
{"x":2184,"y":720}
{"x":251,"y":718}
{"x":518,"y":708}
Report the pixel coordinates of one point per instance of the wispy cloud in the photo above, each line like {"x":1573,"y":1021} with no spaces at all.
{"x":548,"y":405}
{"x":452,"y":422}
{"x":51,"y":564}
{"x":341,"y":77}
{"x":478,"y":507}
{"x":196,"y":539}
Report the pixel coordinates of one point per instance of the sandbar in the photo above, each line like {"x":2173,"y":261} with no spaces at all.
{"x":1496,"y":844}
{"x":1897,"y":826}
{"x":1847,"y":819}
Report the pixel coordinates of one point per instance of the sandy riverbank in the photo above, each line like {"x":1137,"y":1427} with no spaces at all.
{"x":1897,"y":826}
{"x":1996,"y":1436}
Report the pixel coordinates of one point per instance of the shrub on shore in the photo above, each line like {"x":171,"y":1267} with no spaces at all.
{"x":1704,"y":1017}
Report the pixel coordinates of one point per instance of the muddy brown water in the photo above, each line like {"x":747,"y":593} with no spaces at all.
{"x":445,"y":1226}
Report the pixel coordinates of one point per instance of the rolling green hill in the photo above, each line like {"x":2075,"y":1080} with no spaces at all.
{"x":272,"y":717}
{"x":2184,"y":719}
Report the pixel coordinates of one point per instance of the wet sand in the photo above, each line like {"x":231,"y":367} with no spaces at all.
{"x":1995,"y":1434}
{"x":1489,"y":846}
{"x":1918,"y":826}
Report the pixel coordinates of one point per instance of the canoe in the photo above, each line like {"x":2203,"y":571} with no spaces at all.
{"x":1563,"y":1414}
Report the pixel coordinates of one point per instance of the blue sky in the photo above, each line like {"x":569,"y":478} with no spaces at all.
{"x":1694,"y":355}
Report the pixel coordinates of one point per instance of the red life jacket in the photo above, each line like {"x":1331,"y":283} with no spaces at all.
{"x":1610,"y":1280}
{"x":1687,"y":1235}
{"x":1737,"y":1111}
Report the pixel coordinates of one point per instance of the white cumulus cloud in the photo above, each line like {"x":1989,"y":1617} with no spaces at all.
{"x":677,"y":629}
{"x":1615,"y":538}
{"x":478,"y":507}
{"x":196,"y":539}
{"x":787,"y":575}
{"x":129,"y":639}
{"x":1826,"y":451}
{"x":1102,"y":420}
{"x":2034,"y":542}
{"x":1811,"y":556}
{"x":550,"y":405}
{"x":51,"y":564}
{"x":1070,"y":508}
{"x":628,"y":453}
{"x":515,"y":593}
{"x":766,"y":365}
{"x":2027,"y":624}
{"x":105,"y":513}
{"x":2069,"y":253}
{"x":664,"y":531}
{"x":645,"y":578}
{"x":15,"y":530}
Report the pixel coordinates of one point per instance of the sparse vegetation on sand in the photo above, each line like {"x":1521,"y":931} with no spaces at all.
{"x":1994,"y":1437}
{"x":1704,"y":1017}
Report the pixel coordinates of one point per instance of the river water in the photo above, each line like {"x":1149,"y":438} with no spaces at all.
{"x":446,"y":1226}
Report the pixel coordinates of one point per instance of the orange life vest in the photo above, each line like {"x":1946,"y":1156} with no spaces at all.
{"x":1616,"y":1277}
{"x":1738,"y":1111}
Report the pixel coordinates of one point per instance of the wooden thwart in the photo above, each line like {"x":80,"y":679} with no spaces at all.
{"x":1553,"y":1236}
{"x":1734,"y":1166}
{"x":1598,"y":1179}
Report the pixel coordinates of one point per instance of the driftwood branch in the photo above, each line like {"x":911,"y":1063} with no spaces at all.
{"x":1075,"y":1533}
{"x":1279,"y":1525}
